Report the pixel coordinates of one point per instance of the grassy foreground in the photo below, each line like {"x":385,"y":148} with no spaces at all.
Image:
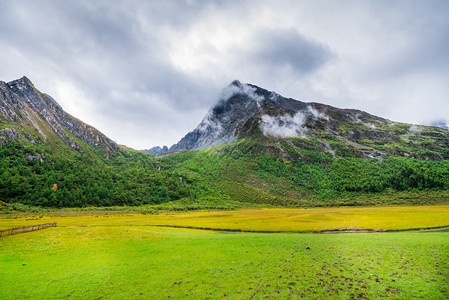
{"x":128,"y":262}
{"x":125,"y":257}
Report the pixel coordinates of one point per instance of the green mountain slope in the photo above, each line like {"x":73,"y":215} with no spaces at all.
{"x":43,"y":146}
{"x":256,"y":146}
{"x":243,"y":172}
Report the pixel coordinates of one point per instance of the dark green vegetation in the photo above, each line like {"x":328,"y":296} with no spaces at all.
{"x":125,"y":262}
{"x":126,"y":178}
{"x":211,"y":178}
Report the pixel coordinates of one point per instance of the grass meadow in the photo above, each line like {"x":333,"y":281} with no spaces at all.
{"x":130,"y":256}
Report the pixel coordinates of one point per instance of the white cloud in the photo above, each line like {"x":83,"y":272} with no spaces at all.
{"x":316,"y":114}
{"x":283,"y":126}
{"x":414,"y":129}
{"x":209,"y":124}
{"x":240,"y":88}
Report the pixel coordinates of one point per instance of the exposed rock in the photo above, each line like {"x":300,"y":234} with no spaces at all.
{"x":156,"y":150}
{"x":20,"y":101}
{"x":10,"y":134}
{"x":227,"y":119}
{"x":33,"y":157}
{"x":29,"y":137}
{"x":9,"y":102}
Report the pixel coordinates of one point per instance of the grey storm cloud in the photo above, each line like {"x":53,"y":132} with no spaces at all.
{"x":287,"y":48}
{"x":146,"y":72}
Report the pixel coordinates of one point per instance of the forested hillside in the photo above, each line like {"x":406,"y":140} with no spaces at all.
{"x":244,"y":173}
{"x":34,"y":176}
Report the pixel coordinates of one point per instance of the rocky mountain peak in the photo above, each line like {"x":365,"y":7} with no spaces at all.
{"x":156,"y":150}
{"x":25,"y":106}
{"x":228,"y":118}
{"x":236,"y":83}
{"x":248,"y":111}
{"x":21,"y":83}
{"x":236,"y":104}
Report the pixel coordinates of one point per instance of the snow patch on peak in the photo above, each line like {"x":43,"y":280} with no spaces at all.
{"x":284,"y":126}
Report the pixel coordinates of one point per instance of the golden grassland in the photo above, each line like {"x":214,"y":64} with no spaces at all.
{"x":126,"y":256}
{"x":261,"y":220}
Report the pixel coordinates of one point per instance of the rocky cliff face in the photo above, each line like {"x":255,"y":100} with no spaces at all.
{"x":23,"y":106}
{"x":227,"y":119}
{"x":248,"y":111}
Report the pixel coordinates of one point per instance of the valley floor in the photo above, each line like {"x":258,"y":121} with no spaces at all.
{"x":389,"y":218}
{"x":126,"y":257}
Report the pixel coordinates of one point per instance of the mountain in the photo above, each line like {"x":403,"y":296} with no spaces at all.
{"x":28,"y":114}
{"x":50,"y":158}
{"x":248,"y":111}
{"x":256,"y":146}
{"x":156,"y":150}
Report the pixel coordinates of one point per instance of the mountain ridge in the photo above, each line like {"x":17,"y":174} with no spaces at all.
{"x":49,"y":158}
{"x":22,"y":104}
{"x":246,"y":111}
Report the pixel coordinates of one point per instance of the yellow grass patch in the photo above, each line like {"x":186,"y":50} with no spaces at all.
{"x":269,"y":219}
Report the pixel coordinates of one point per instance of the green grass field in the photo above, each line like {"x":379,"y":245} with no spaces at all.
{"x":125,"y":257}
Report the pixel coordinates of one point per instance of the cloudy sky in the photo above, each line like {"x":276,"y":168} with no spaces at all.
{"x":146,"y":72}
